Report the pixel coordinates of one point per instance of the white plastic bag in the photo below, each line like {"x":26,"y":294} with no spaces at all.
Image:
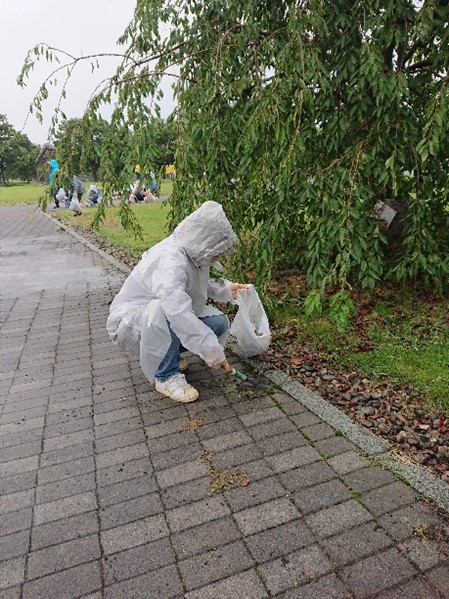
{"x":60,"y":196}
{"x":250,"y":326}
{"x":75,"y":203}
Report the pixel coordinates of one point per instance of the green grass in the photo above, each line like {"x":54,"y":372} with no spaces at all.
{"x":398,"y":335}
{"x":21,"y":194}
{"x":152,"y":218}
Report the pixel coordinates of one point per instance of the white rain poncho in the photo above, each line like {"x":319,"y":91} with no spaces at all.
{"x":171,"y":283}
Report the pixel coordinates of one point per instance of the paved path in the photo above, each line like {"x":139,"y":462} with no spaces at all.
{"x":104,"y":494}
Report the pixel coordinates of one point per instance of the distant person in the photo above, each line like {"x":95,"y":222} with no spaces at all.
{"x":94,"y":195}
{"x":78,"y":187}
{"x":54,"y":168}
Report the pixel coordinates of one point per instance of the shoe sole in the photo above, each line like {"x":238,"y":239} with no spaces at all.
{"x":187,"y":400}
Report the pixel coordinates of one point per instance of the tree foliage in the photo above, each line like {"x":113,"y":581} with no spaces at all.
{"x":299,"y":115}
{"x":17,"y":154}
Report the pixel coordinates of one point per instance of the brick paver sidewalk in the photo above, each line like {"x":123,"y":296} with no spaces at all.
{"x":106,"y":487}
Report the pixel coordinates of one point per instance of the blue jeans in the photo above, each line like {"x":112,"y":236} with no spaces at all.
{"x":218,"y":323}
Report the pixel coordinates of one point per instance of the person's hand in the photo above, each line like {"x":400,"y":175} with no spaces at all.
{"x":236,"y":286}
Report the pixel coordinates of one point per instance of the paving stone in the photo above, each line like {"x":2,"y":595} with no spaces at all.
{"x":65,"y":470}
{"x":267,"y":515}
{"x":128,"y":489}
{"x":184,"y":493}
{"x":439,"y":577}
{"x":236,"y":458}
{"x":305,"y":418}
{"x":423,"y":552}
{"x":279,"y":541}
{"x":131,"y":535}
{"x":334,"y":446}
{"x":132,"y":509}
{"x":255,"y":493}
{"x":245,"y":585}
{"x":118,"y":427}
{"x":31,"y":412}
{"x":163,"y":584}
{"x":327,"y":587}
{"x":171,"y":442}
{"x":356,"y":543}
{"x":273,"y":428}
{"x":67,"y":454}
{"x":65,"y":488}
{"x":220,"y":562}
{"x":306,"y":476}
{"x":62,"y":508}
{"x":12,"y":572}
{"x":19,"y":466}
{"x":121,"y":455}
{"x":348,"y":462}
{"x":227,"y":441}
{"x":122,"y":440}
{"x":205,"y":538}
{"x":116,"y":415}
{"x":367,"y":478}
{"x":417,"y":588}
{"x":59,"y":531}
{"x":69,"y":584}
{"x":166,"y":428}
{"x":62,"y":556}
{"x":125,"y":471}
{"x":388,"y":498}
{"x":196,"y":513}
{"x":69,"y":440}
{"x":215,"y":429}
{"x":377,"y":573}
{"x":16,"y":501}
{"x":14,"y":545}
{"x":295,"y":569}
{"x":159,"y":416}
{"x":293,"y":458}
{"x":409,"y":520}
{"x":166,"y":459}
{"x":338,"y":518}
{"x":15,"y":521}
{"x":321,"y":496}
{"x":260,"y":416}
{"x":138,"y":561}
{"x":281,"y":443}
{"x":64,"y":428}
{"x":11,"y":593}
{"x":316,"y":432}
{"x":181,"y":473}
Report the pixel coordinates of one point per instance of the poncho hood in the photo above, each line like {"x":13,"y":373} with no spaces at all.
{"x":206,"y":234}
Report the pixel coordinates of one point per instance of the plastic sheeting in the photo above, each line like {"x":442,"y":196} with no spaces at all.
{"x":171,"y":283}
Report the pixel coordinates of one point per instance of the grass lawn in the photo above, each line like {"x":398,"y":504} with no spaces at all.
{"x":152,"y":218}
{"x":397,"y":335}
{"x":21,"y":194}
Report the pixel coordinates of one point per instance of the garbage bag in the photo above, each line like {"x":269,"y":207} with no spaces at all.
{"x":250,"y":326}
{"x":75,"y":203}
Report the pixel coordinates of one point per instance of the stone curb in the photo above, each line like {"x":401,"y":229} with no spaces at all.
{"x":381,"y":451}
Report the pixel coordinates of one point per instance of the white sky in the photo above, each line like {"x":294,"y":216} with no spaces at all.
{"x":80,"y":27}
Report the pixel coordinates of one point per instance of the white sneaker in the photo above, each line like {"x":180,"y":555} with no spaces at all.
{"x":183,"y":364}
{"x":177,"y":388}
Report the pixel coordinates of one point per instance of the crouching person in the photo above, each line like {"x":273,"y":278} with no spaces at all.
{"x":162,"y":309}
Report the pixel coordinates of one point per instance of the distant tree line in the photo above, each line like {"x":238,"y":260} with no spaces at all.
{"x":17,"y":154}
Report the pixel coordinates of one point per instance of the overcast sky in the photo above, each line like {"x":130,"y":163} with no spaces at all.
{"x":79,"y":27}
